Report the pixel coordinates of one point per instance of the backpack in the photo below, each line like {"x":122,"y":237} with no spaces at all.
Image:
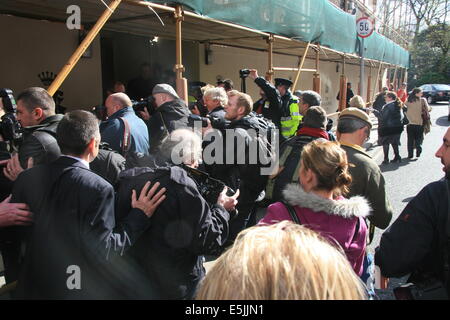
{"x":289,"y":164}
{"x":264,"y":129}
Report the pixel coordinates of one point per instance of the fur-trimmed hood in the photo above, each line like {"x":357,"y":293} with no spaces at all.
{"x":347,"y":208}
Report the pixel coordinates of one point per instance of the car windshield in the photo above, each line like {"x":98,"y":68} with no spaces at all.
{"x":441,"y":87}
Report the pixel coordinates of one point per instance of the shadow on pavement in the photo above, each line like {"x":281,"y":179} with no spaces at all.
{"x":443,"y":121}
{"x":392,"y":166}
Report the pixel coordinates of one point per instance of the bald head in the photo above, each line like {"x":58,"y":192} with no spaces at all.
{"x":116,"y":102}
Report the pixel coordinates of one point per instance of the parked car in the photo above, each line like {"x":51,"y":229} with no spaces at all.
{"x":436,"y":92}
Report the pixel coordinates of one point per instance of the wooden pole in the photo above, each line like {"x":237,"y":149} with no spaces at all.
{"x":342,"y":88}
{"x":181,"y":82}
{"x":316,"y":77}
{"x":377,"y":82}
{"x":395,"y":82}
{"x":62,"y":75}
{"x":270,"y":71}
{"x":300,"y":66}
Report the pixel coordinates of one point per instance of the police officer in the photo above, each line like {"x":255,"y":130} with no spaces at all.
{"x":283,"y":107}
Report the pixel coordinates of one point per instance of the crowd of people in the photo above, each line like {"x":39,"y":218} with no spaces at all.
{"x":138,"y":200}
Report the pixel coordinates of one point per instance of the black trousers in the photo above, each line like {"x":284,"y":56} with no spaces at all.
{"x":415,"y":139}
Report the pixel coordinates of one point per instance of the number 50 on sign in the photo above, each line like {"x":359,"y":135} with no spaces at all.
{"x":364,"y":27}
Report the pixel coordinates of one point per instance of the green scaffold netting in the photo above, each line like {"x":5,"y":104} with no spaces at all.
{"x":305,"y":20}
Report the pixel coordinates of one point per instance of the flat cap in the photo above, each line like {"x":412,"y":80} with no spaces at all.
{"x":355,"y":113}
{"x":283,"y":82}
{"x":165,"y":88}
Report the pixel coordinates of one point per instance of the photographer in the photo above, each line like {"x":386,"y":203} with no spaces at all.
{"x":184,"y":227}
{"x":125,"y":132}
{"x":171,"y":114}
{"x":36,"y":115}
{"x":241,"y":172}
{"x":283,"y":105}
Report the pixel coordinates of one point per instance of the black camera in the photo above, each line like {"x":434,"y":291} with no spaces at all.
{"x":146,"y":103}
{"x":10,"y":128}
{"x":243,"y":73}
{"x":216,"y":123}
{"x":209,"y":188}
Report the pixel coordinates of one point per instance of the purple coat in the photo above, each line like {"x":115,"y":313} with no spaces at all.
{"x":335,"y":219}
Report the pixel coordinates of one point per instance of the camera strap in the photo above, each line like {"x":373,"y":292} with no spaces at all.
{"x":126,"y":141}
{"x":292,"y":213}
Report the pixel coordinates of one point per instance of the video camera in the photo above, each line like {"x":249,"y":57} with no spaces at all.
{"x":146,"y":103}
{"x":10,"y":128}
{"x":209,"y":188}
{"x":243,"y":73}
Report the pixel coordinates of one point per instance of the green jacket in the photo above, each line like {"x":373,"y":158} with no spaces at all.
{"x":368,"y":181}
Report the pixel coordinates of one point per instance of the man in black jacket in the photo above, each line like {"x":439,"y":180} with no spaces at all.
{"x":75,"y":245}
{"x":417,"y":241}
{"x":171,"y":113}
{"x":36,"y":114}
{"x":241,"y":165}
{"x":185,"y":227}
{"x":283,"y":105}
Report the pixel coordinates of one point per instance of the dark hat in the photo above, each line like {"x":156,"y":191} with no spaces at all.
{"x":283,"y":82}
{"x":165,"y":88}
{"x":356,"y":113}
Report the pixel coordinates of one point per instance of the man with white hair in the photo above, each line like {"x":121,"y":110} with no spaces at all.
{"x":125,"y":132}
{"x":184,"y":227}
{"x":171,"y":113}
{"x":215,"y":100}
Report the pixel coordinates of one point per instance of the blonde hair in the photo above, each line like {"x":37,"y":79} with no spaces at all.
{"x":283,"y":261}
{"x":329,"y":162}
{"x":244,"y":100}
{"x":357,"y":102}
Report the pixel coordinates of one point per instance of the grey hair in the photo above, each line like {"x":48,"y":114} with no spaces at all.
{"x":350,"y":125}
{"x":311,"y":98}
{"x":217,"y":94}
{"x":182,"y":146}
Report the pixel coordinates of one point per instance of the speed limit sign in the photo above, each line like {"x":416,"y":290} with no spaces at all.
{"x":364,"y":27}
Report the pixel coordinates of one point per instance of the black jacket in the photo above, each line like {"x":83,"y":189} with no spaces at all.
{"x":278,"y":105}
{"x":168,"y":117}
{"x":390,"y":119}
{"x":241,"y":166}
{"x":40,"y":143}
{"x":183,"y":229}
{"x":74,"y":225}
{"x":218,"y":113}
{"x":414,"y":242}
{"x":108,"y":164}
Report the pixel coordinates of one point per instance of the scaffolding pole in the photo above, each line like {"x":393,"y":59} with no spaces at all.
{"x":300,"y":67}
{"x":62,"y":75}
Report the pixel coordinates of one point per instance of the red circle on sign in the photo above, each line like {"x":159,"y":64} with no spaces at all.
{"x":371,"y":29}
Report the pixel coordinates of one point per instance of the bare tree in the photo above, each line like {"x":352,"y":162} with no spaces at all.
{"x":428,"y":12}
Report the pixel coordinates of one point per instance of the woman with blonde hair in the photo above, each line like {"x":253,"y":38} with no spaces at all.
{"x":317,"y":202}
{"x":358,"y":102}
{"x":284,"y":261}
